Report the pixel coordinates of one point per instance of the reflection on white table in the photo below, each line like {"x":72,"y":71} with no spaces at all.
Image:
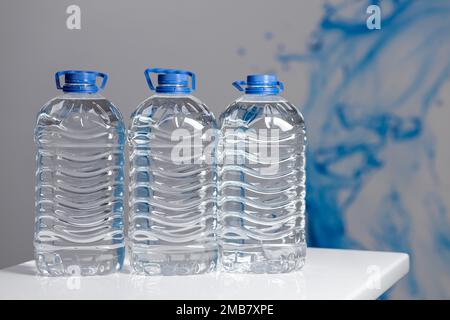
{"x":328,"y":274}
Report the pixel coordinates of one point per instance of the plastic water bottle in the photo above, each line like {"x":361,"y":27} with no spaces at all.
{"x":262,"y":181}
{"x":80,"y":140}
{"x":173,"y":180}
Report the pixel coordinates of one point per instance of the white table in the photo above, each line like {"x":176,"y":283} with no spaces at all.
{"x":328,"y":274}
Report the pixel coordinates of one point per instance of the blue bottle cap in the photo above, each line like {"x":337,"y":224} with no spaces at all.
{"x":171,"y":80}
{"x":80,"y":81}
{"x":263,"y":84}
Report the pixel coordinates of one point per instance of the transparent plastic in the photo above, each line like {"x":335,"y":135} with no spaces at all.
{"x":79,"y":186}
{"x":172,"y":204}
{"x":262,"y":202}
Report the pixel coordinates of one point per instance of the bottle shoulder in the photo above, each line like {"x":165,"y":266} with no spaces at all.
{"x":184,"y":103}
{"x":89,"y":109}
{"x":158,"y":108}
{"x":248,"y":110}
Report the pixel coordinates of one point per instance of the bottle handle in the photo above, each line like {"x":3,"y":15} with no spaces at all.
{"x":238,"y":85}
{"x":149,"y":71}
{"x":104,"y":77}
{"x":280,"y":86}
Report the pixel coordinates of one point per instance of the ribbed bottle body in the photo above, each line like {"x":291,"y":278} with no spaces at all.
{"x":262,"y":186}
{"x":172,"y":186}
{"x":79,"y":186}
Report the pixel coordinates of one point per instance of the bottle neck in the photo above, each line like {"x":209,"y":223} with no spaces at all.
{"x":172,"y":94}
{"x":81,"y":95}
{"x":253,"y":97}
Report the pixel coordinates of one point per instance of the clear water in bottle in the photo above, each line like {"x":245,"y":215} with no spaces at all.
{"x":172,"y":183}
{"x":262,"y":181}
{"x":80,"y":140}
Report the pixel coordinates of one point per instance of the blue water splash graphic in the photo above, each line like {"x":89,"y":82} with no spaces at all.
{"x":372,"y":177}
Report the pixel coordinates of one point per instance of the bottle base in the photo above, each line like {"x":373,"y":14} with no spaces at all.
{"x":79,"y":262}
{"x":169,"y":261}
{"x":282,"y":258}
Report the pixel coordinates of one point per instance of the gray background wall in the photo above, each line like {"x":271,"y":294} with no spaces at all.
{"x":122,"y":38}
